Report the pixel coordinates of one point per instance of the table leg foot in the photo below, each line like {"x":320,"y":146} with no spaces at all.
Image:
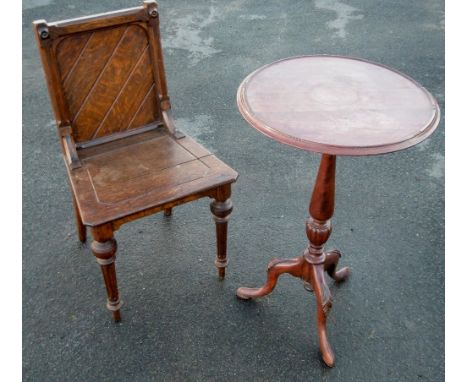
{"x":324,"y":304}
{"x":331,"y":263}
{"x":276,"y":268}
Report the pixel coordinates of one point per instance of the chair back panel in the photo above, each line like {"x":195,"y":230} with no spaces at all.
{"x":107,"y":80}
{"x":106,"y":75}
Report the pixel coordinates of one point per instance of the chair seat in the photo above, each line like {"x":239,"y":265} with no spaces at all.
{"x":141,"y":173}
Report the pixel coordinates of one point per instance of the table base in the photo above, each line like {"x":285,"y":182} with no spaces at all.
{"x":313,"y":276}
{"x":314,"y":262}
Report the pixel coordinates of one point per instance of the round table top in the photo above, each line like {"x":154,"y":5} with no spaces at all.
{"x":337,"y":105}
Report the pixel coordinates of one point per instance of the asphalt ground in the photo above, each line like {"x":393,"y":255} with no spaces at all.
{"x":179,"y":322}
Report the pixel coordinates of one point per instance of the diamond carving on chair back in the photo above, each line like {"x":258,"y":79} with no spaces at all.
{"x":107,"y":80}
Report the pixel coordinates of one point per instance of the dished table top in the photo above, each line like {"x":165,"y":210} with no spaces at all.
{"x":337,"y":105}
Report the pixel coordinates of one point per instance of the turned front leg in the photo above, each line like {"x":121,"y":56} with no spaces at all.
{"x":221,"y":209}
{"x":104,"y":248}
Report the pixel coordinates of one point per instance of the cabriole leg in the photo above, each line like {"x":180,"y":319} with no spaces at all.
{"x":332,"y":259}
{"x":276,"y":268}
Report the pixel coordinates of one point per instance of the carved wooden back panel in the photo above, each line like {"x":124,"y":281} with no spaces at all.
{"x":105,"y":73}
{"x":107,"y":81}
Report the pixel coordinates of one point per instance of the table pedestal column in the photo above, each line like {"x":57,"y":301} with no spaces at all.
{"x":314,"y":262}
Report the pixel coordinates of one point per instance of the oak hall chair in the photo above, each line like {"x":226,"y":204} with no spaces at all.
{"x":125,"y":158}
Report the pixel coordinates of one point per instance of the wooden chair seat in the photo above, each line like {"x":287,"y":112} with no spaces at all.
{"x":124,"y":156}
{"x":143,"y":173}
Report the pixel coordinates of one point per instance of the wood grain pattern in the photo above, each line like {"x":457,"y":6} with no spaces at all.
{"x":107,"y":80}
{"x":127,"y":176}
{"x":147,"y":110}
{"x":79,"y":82}
{"x":124,"y":156}
{"x":138,"y":88}
{"x":69,"y":52}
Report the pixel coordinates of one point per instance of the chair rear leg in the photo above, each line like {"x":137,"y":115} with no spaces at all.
{"x":221,"y":209}
{"x":104,"y":247}
{"x":168,"y":212}
{"x":80,"y":227}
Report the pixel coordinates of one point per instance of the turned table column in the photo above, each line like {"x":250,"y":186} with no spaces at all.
{"x":318,"y":229}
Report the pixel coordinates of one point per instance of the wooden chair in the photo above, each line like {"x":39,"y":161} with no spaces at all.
{"x":125,"y":158}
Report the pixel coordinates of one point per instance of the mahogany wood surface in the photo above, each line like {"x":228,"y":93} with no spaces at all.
{"x":337,"y":105}
{"x":331,"y":105}
{"x":124,"y":156}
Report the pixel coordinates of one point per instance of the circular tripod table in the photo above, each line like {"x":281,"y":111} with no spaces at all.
{"x":333,"y":106}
